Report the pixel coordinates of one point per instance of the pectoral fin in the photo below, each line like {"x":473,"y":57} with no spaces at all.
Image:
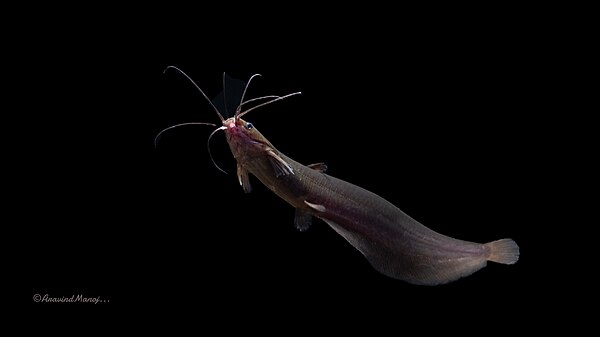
{"x":243,"y":178}
{"x":321,"y":167}
{"x":302,"y":220}
{"x":280,"y":167}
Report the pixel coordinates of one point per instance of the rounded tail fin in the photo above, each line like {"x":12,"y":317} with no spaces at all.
{"x":503,"y":251}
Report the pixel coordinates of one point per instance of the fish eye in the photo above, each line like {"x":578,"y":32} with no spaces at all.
{"x":249,"y":126}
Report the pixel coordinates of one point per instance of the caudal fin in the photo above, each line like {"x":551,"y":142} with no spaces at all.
{"x":503,"y":251}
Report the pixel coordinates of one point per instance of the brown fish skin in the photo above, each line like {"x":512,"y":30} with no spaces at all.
{"x":395,"y":244}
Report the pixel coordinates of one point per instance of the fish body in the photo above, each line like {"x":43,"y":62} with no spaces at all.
{"x":394,"y":243}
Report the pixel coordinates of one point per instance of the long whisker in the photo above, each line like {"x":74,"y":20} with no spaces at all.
{"x":208,"y":146}
{"x":237,"y":110}
{"x":279,"y":98}
{"x":156,"y":139}
{"x":225,"y":96}
{"x":254,"y":99}
{"x":197,"y":87}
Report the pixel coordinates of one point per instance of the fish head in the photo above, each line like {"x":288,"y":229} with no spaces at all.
{"x":244,"y":140}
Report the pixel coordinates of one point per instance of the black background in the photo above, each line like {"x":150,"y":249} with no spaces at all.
{"x":433,"y":109}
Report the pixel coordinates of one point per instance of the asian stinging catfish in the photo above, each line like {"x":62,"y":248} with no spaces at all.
{"x":394,"y":243}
